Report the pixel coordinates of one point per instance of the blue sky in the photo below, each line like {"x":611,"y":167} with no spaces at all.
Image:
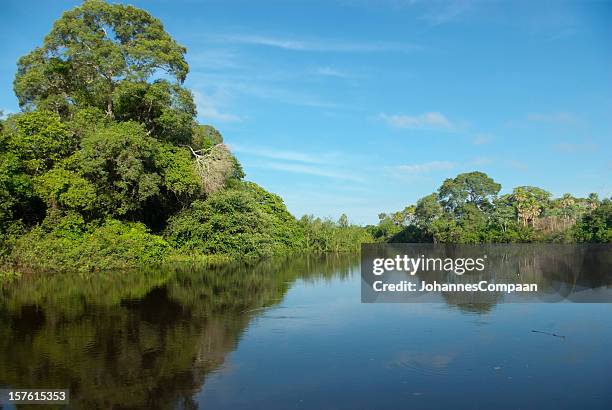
{"x":365,"y":106}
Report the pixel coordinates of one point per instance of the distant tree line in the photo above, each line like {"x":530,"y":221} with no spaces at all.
{"x":469,"y":209}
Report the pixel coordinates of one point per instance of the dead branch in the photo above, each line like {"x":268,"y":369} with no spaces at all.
{"x":213,"y":165}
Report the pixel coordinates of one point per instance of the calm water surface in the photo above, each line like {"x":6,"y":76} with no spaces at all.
{"x":293,"y":334}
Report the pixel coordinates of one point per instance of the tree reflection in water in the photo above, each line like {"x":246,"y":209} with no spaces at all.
{"x":139,"y":339}
{"x":149,"y":339}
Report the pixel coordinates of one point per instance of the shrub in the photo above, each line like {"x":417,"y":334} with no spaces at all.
{"x":596,"y":226}
{"x":245,"y":220}
{"x":67,"y":243}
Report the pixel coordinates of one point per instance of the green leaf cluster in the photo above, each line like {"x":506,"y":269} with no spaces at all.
{"x":245,"y":220}
{"x":469,"y":209}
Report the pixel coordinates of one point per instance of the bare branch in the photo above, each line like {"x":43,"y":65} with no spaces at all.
{"x":214,"y":166}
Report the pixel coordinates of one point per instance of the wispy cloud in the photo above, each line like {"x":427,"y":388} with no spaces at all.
{"x":559,"y":118}
{"x":563,"y":34}
{"x":213,"y":60}
{"x":424,"y":167}
{"x":311,"y":158}
{"x":428,"y":120}
{"x":319,"y":45}
{"x":261,"y":88}
{"x":323,"y":164}
{"x":310,"y":170}
{"x":446,"y":11}
{"x":208,"y":110}
{"x":330,"y":72}
{"x":212,"y":113}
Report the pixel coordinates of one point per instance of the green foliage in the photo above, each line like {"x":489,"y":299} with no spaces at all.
{"x":109,"y":135}
{"x":17,"y":198}
{"x":475,"y":188}
{"x":245,"y":220}
{"x":385,"y":228}
{"x":38,"y":138}
{"x":530,"y":202}
{"x":178,"y":172}
{"x":61,"y":188}
{"x":86,"y":120}
{"x":165,"y":109}
{"x":68,"y":243}
{"x":205,"y":136}
{"x":596,"y":226}
{"x":9,"y":275}
{"x":428,"y":210}
{"x":118,"y":160}
{"x":90,"y":52}
{"x":468,"y":210}
{"x":324,"y":235}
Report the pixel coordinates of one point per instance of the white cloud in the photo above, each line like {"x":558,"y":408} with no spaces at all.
{"x":213,"y":59}
{"x":284,"y":155}
{"x":262,"y":88}
{"x":424,"y":167}
{"x":446,"y":11}
{"x":310,"y":170}
{"x":562,"y":118}
{"x":428,"y":120}
{"x":208,"y":110}
{"x":324,"y":164}
{"x":319,"y":45}
{"x":330,"y":72}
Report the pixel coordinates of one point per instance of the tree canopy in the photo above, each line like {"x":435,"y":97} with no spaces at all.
{"x":475,"y":188}
{"x":469,"y":209}
{"x":92,"y":54}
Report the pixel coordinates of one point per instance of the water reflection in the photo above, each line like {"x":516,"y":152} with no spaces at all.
{"x":292,"y":333}
{"x":139,"y":339}
{"x":574,"y":273}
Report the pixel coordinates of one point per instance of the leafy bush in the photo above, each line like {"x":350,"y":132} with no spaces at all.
{"x":596,"y":226}
{"x":324,"y":235}
{"x":245,"y":220}
{"x":67,"y":243}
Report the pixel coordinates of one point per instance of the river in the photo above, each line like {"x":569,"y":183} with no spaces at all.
{"x":293,"y":333}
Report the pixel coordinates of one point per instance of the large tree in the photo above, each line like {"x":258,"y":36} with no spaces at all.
{"x":109,"y":131}
{"x":475,"y":188}
{"x":93,"y":53}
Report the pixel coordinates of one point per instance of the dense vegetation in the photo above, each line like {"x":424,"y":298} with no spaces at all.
{"x":106,"y":167}
{"x":469,"y":209}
